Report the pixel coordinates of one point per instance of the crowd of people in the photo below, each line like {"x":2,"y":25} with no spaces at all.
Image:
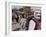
{"x":25,"y":19}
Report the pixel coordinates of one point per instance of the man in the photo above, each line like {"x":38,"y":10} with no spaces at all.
{"x":26,"y":10}
{"x":35,"y":23}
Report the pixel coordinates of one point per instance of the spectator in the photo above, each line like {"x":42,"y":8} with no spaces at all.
{"x":35,"y":23}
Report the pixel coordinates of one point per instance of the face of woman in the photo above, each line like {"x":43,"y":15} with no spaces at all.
{"x":37,"y":15}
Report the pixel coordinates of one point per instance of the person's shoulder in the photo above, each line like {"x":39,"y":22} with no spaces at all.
{"x":31,"y":21}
